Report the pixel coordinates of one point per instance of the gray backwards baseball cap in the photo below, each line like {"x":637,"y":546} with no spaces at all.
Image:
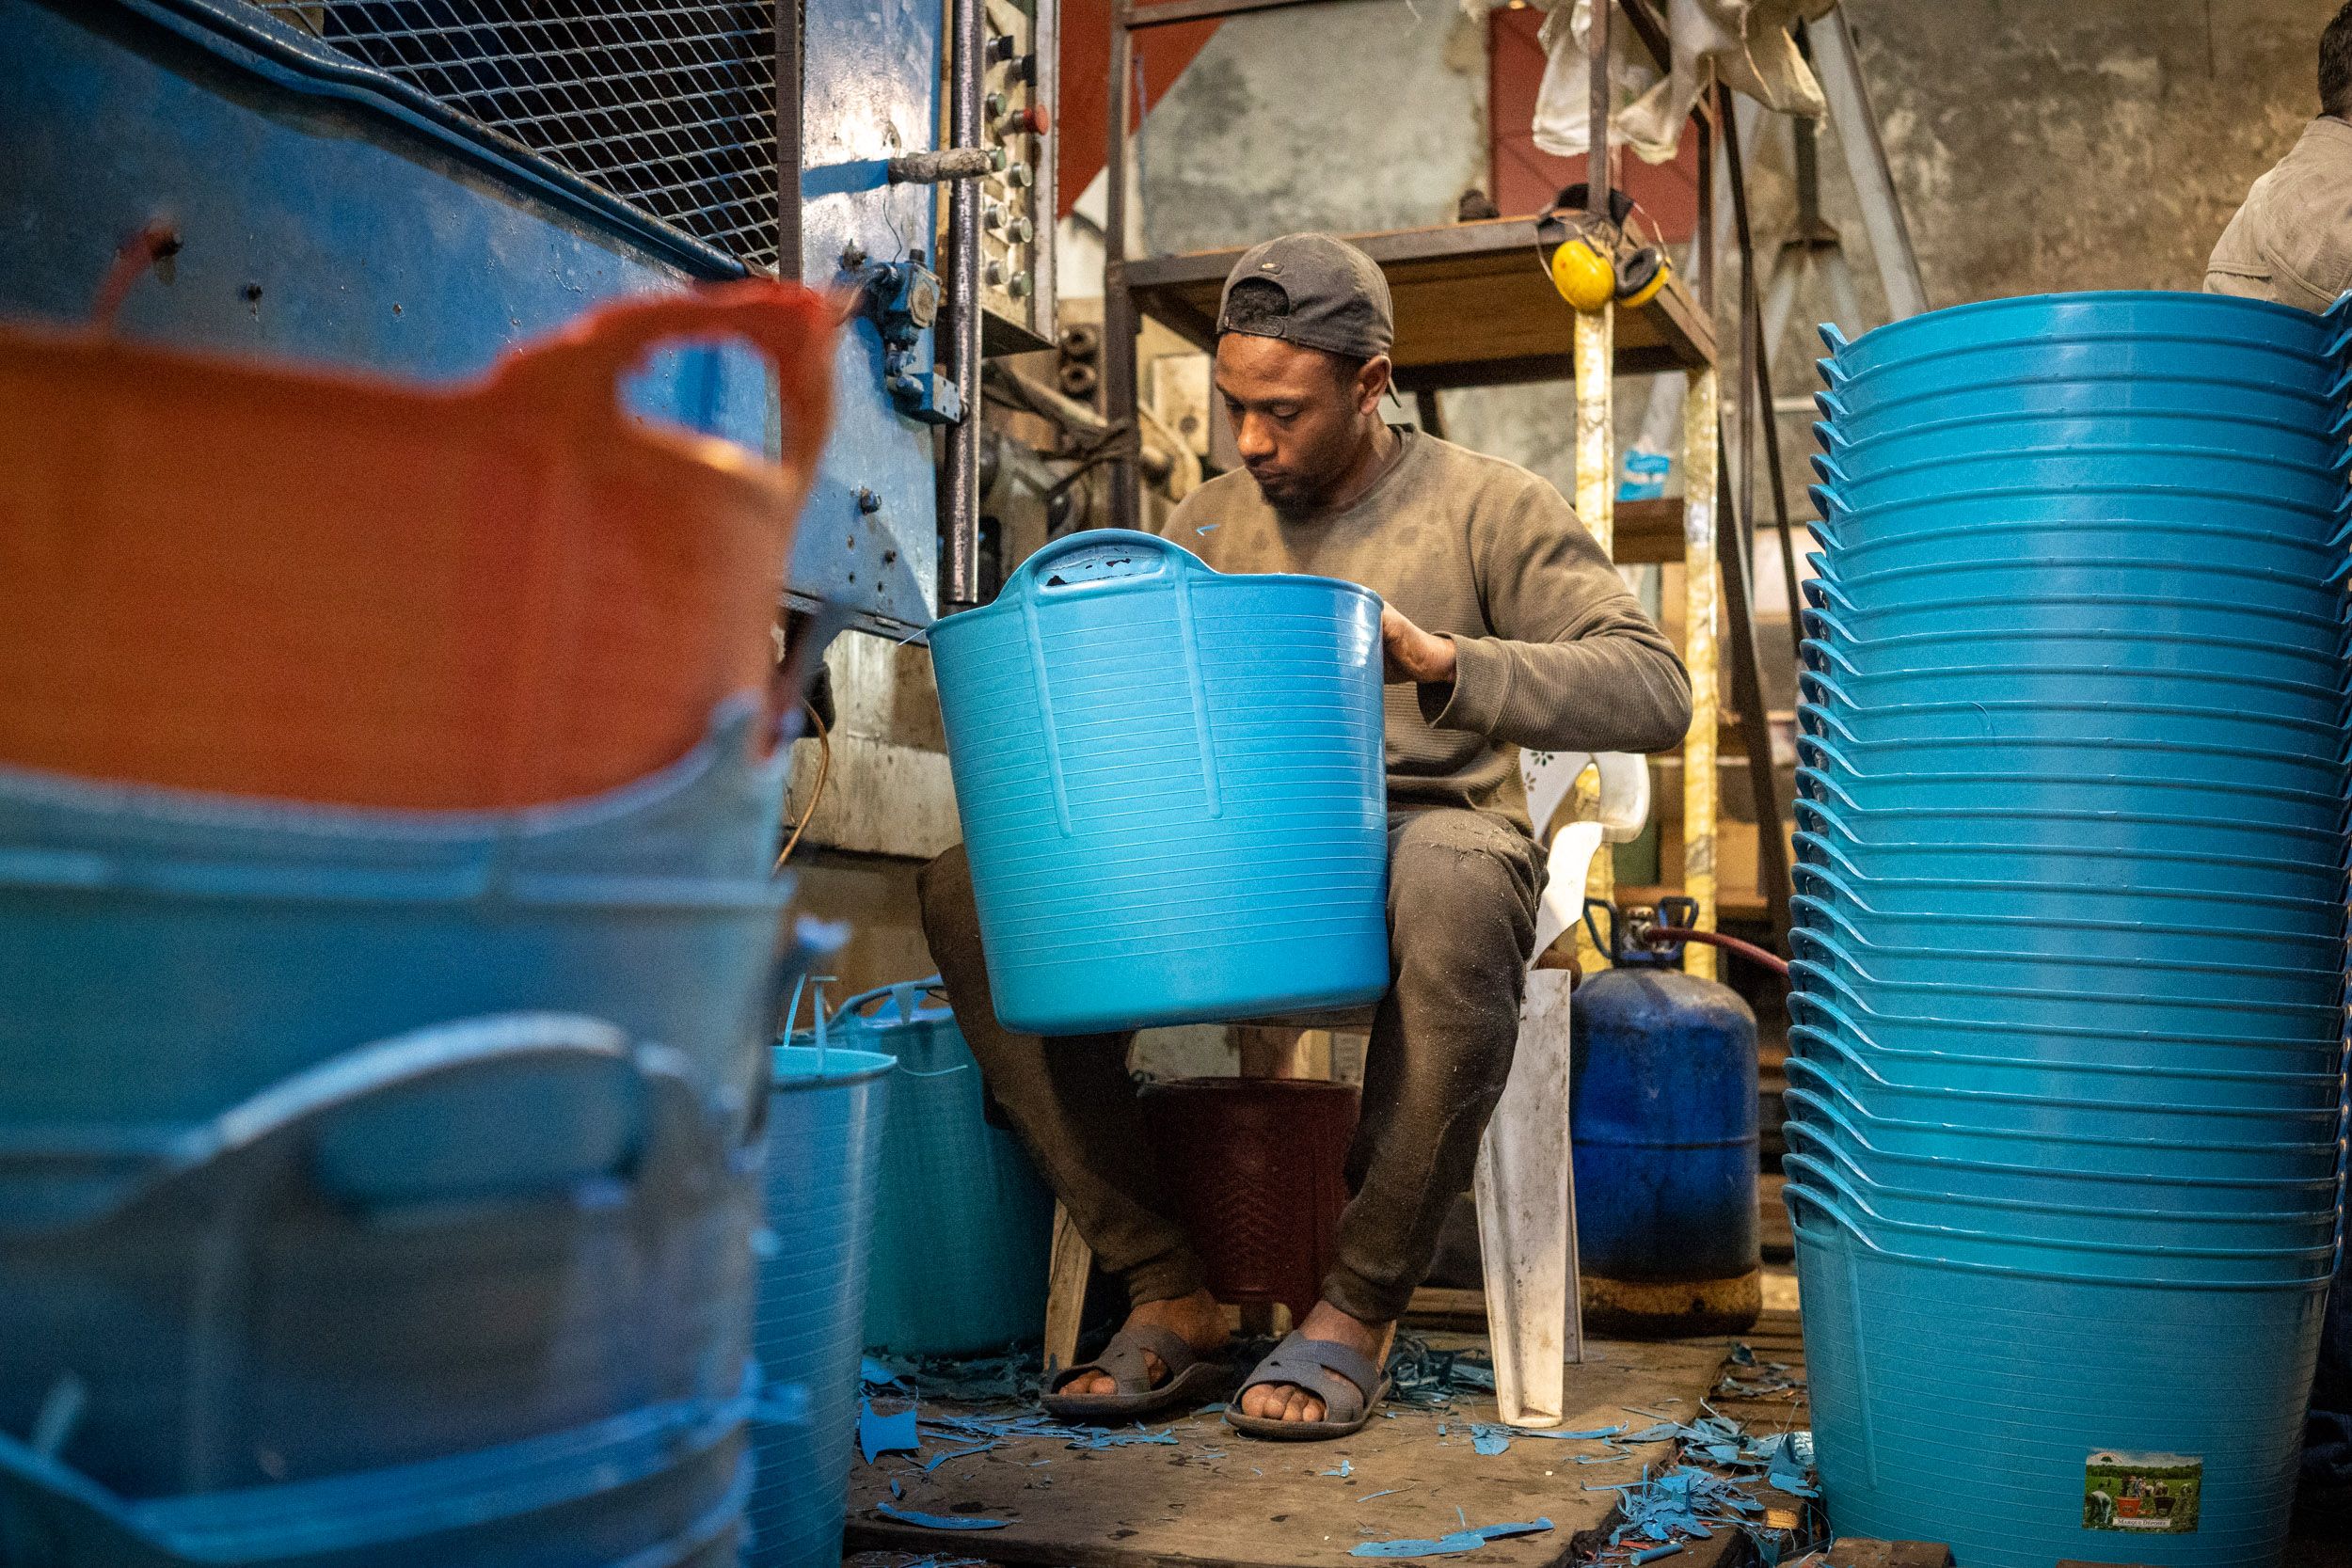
{"x":1333,"y":297}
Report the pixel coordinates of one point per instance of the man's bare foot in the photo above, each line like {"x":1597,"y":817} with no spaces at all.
{"x":1195,"y":1319}
{"x":1287,"y":1401}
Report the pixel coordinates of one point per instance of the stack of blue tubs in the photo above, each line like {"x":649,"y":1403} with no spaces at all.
{"x":377,"y":1187}
{"x":2066,"y":1107}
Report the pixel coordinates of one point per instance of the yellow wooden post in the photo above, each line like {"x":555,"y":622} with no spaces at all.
{"x":1596,"y":504}
{"x":1699,"y":569}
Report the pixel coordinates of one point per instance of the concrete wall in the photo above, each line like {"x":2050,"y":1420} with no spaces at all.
{"x":2079,"y":144}
{"x":1358,"y":116}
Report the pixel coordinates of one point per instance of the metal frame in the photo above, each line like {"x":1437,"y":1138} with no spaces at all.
{"x":960,"y":473}
{"x":1595,"y":364}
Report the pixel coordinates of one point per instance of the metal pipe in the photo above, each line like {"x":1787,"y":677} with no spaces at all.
{"x":1119,"y":312}
{"x":959,"y":482}
{"x":1756,"y":353}
{"x":938,"y":168}
{"x":1848,"y":96}
{"x":1597,"y":135}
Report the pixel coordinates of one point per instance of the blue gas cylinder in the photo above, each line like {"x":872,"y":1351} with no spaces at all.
{"x":1663,"y":1120}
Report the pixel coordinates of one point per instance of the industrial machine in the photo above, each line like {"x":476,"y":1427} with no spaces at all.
{"x":412,"y":189}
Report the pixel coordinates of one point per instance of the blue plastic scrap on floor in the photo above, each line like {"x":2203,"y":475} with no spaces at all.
{"x":939,"y":1521}
{"x":1460,"y":1540}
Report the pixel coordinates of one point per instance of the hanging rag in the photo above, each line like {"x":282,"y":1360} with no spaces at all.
{"x":1745,"y":44}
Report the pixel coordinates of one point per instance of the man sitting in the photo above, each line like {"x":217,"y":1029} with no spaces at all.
{"x":1504,"y":625}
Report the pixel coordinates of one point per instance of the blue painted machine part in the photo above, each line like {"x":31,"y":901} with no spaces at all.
{"x":1172,"y":787}
{"x":1662,"y":1118}
{"x":330,"y":214}
{"x":963,"y":1223}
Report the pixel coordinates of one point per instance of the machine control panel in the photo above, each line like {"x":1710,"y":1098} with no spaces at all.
{"x":1017,"y":200}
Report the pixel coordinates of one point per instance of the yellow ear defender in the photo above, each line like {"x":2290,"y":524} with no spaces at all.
{"x":1592,"y":261}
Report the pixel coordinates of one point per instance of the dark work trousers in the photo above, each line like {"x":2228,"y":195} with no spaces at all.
{"x":1462,"y":890}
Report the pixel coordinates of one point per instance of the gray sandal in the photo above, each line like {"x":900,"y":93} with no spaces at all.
{"x":1347,"y":1381}
{"x":1192,"y":1377}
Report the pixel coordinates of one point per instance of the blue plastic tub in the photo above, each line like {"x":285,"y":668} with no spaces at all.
{"x":2004,"y":831}
{"x":2315,"y":488}
{"x":2304,"y":437}
{"x":1961,"y":1237}
{"x":2121,"y":334}
{"x":2035,"y":852}
{"x":1899,"y":948}
{"x":2187,"y":401}
{"x":2018,"y":1175}
{"x":2063,"y":1216}
{"x":2127,"y":1109}
{"x":1999,"y":783}
{"x":2082,"y":532}
{"x":2169,"y":930}
{"x":1828,"y":865}
{"x":652,"y":907}
{"x":1941,"y":1026}
{"x":963,"y":1223}
{"x":1953,"y":1135}
{"x":663,"y":1484}
{"x":1172,"y":787}
{"x":2156,"y":642}
{"x":2068,"y":1209}
{"x":2068,"y":614}
{"x":2297,"y":1005}
{"x":2128,"y":759}
{"x":468,"y":1236}
{"x":2089,"y":586}
{"x":1827,"y":701}
{"x":2198,"y":691}
{"x":1973,"y":1406}
{"x":826,"y":1114}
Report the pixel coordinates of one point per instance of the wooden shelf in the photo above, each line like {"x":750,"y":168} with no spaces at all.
{"x":1474,"y":307}
{"x":1648,"y":533}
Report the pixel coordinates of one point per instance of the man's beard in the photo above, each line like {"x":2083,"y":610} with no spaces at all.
{"x":1293,"y":497}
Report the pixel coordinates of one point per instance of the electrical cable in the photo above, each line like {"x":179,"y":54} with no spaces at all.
{"x":824,"y":767}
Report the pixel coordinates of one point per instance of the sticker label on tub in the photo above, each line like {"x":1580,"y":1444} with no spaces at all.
{"x":2142,"y":1494}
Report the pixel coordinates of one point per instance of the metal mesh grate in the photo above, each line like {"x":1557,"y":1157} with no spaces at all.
{"x":670,"y":106}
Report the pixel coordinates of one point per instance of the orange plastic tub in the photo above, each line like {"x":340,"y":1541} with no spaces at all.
{"x":277,"y":581}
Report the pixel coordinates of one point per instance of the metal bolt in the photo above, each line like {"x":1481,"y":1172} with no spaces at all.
{"x":1019,"y":177}
{"x":994,"y":104}
{"x":994,"y":273}
{"x":1023,"y":230}
{"x":992,"y":216}
{"x":867,"y":500}
{"x":1020,"y":286}
{"x":852,"y":256}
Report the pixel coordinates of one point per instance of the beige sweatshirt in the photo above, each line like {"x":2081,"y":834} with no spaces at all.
{"x":1551,"y":652}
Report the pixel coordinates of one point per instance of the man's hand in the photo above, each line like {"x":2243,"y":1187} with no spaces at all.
{"x":1412,"y":654}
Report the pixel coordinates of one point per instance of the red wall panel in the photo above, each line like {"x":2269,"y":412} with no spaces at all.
{"x":1525,"y":179}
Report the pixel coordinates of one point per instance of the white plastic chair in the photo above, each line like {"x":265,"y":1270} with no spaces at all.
{"x":1525,"y":1187}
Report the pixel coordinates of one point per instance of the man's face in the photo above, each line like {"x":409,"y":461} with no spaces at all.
{"x":1299,"y":415}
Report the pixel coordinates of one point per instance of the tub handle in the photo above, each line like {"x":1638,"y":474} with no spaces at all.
{"x":1110,"y":560}
{"x":1101,"y":560}
{"x":908,"y":994}
{"x":792,"y":327}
